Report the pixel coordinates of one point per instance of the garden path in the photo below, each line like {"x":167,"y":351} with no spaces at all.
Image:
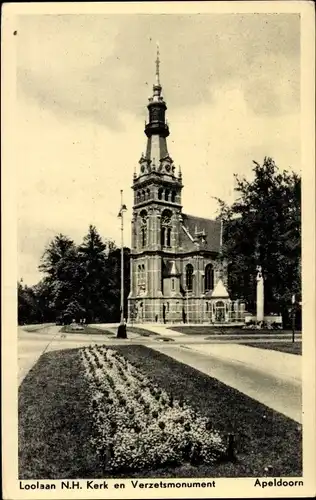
{"x":277,"y":392}
{"x":270,"y":377}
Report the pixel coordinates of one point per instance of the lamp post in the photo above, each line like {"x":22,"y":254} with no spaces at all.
{"x":122,"y":327}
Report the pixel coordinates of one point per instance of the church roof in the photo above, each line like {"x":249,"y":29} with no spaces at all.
{"x":200,"y":233}
{"x":220,"y":291}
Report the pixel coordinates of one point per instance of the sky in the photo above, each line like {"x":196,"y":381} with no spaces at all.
{"x":232,"y":87}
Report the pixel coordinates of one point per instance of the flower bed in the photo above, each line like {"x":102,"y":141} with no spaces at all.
{"x":137,"y":424}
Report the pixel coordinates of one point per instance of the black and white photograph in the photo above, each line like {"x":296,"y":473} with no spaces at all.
{"x":162,"y":269}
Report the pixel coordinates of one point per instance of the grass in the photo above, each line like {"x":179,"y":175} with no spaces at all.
{"x":86,"y":330}
{"x":35,"y":328}
{"x":224,"y":330}
{"x":146,"y":333}
{"x":53,"y":421}
{"x":142,"y":331}
{"x":54,"y":426}
{"x":264,"y":437}
{"x":289,"y":347}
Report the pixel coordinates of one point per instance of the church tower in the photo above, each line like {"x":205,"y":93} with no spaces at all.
{"x":156,"y":222}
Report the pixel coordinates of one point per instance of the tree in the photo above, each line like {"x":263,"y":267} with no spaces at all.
{"x":114,"y":281}
{"x":79,"y":282}
{"x":93,"y":259}
{"x":44,"y":299}
{"x":263,"y":227}
{"x":27,"y":306}
{"x":62,"y":266}
{"x":57,"y":250}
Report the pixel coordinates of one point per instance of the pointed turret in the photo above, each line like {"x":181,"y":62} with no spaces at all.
{"x":157,"y":107}
{"x":156,"y":167}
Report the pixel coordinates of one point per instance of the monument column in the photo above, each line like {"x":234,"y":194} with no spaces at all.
{"x":260,"y":295}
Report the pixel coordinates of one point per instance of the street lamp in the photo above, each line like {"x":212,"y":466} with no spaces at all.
{"x":121,"y":333}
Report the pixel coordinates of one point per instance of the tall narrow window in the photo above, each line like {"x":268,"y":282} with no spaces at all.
{"x":148,"y":194}
{"x":143,"y":237}
{"x":167,"y":195}
{"x":168,"y":239}
{"x":163,"y":236}
{"x":209,"y":278}
{"x":143,"y":228}
{"x":173,"y":196}
{"x":172,"y":284}
{"x":166,"y":228}
{"x":189,"y":277}
{"x":160,"y":193}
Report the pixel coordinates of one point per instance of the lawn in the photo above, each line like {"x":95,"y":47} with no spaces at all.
{"x":35,"y":328}
{"x":142,"y":331}
{"x":146,"y":333}
{"x":87,"y":330}
{"x":54,"y":423}
{"x":215,"y":330}
{"x":53,"y":420}
{"x":289,"y":347}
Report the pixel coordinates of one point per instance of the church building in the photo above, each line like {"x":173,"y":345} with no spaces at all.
{"x":177,"y":273}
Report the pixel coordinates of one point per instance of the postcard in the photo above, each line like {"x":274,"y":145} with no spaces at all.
{"x":158,"y":271}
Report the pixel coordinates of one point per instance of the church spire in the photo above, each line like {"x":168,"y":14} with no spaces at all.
{"x":158,"y":66}
{"x":157,"y":124}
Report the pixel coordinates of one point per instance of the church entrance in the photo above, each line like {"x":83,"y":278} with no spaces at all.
{"x":219,"y":312}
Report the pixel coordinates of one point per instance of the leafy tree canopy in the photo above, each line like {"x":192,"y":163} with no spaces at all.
{"x":80,"y":282}
{"x":263,"y":227}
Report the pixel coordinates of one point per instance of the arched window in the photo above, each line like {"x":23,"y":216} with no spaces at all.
{"x":167,"y":194}
{"x":189,"y":277}
{"x":173,"y":196}
{"x":209,"y":278}
{"x":141,"y":279}
{"x":166,"y":228}
{"x":220,"y":311}
{"x":138,"y":197}
{"x":143,"y":228}
{"x":143,"y":195}
{"x":160,"y":193}
{"x":148,"y":194}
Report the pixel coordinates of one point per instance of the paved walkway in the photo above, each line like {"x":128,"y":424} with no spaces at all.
{"x":280,"y":364}
{"x":31,"y":344}
{"x":270,"y":377}
{"x":279,"y":393}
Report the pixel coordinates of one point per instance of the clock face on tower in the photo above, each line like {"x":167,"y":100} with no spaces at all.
{"x":168,"y":168}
